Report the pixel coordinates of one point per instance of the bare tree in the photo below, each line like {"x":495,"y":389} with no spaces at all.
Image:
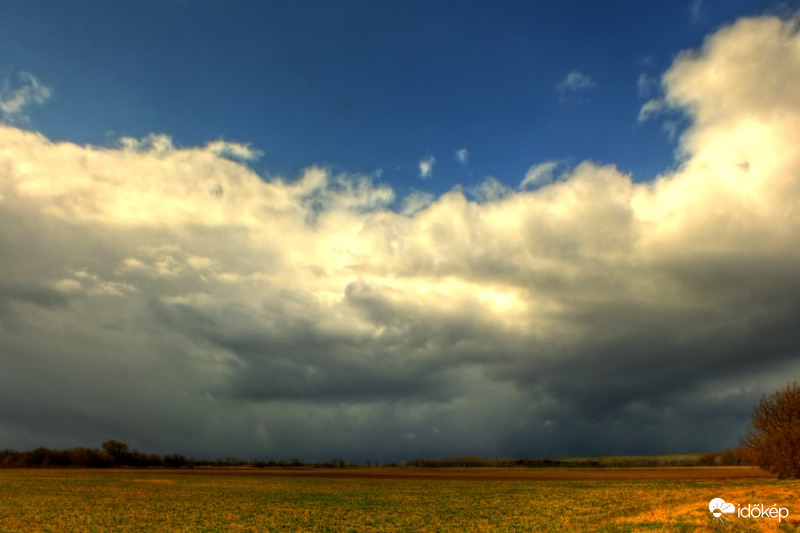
{"x":774,"y":432}
{"x":119,"y":452}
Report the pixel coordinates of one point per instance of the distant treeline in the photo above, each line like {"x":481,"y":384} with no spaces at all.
{"x":118,"y":454}
{"x":731,"y":457}
{"x":114,"y":453}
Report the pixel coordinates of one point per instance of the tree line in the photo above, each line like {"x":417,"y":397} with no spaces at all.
{"x":732,"y":457}
{"x":114,"y":453}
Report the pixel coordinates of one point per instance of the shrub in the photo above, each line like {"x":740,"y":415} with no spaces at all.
{"x":773,"y":435}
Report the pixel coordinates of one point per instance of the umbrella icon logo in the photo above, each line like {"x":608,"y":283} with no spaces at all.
{"x":719,"y":508}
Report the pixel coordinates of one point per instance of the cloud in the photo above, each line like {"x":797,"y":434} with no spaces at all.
{"x":697,"y":11}
{"x":426,"y":167}
{"x":172,"y":298}
{"x":575,"y":82}
{"x":462,"y":156}
{"x":539,"y":175}
{"x":238,"y":151}
{"x":416,"y":201}
{"x":160,"y":144}
{"x":490,"y":190}
{"x":157,"y":144}
{"x":13,"y":102}
{"x":648,"y":61}
{"x":646,"y":84}
{"x":652,"y":107}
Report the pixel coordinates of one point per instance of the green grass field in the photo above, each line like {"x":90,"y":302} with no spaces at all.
{"x":557,"y":500}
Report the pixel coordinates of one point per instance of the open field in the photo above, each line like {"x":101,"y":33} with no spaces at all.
{"x":389,"y":499}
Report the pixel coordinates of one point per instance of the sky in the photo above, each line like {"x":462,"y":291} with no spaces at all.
{"x":397,"y":229}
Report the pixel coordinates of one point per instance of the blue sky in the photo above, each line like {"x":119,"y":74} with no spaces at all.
{"x":385,"y":230}
{"x":366,"y":87}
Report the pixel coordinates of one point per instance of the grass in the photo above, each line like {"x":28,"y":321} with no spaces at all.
{"x":385,"y":500}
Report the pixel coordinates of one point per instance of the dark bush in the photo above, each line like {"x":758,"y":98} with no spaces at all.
{"x":773,"y":435}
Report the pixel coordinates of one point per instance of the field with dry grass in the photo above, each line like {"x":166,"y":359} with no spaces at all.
{"x":390,"y":499}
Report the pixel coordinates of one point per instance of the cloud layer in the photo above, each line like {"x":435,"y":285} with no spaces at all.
{"x":172,"y":298}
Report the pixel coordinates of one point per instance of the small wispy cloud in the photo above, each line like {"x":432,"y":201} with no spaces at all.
{"x":426,"y":167}
{"x":161,"y":145}
{"x":232,"y":150}
{"x":652,"y":107}
{"x":462,"y":156}
{"x":539,"y":175}
{"x":575,"y":82}
{"x":648,"y":61}
{"x":14,"y":101}
{"x":697,"y":11}
{"x":646,"y":84}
